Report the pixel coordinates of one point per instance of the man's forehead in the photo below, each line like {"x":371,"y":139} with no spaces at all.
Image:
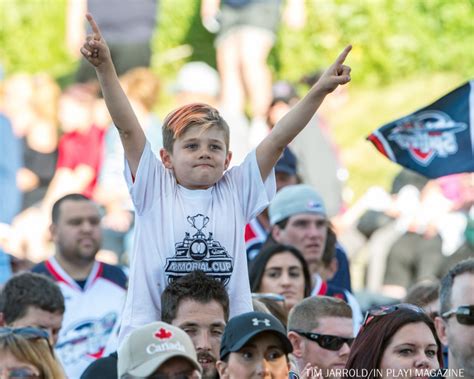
{"x":192,"y":311}
{"x":335,"y":326}
{"x":463,"y":290}
{"x":35,"y":314}
{"x":78,"y":208}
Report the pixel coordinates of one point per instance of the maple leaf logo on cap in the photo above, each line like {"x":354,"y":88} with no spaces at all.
{"x":163,"y":334}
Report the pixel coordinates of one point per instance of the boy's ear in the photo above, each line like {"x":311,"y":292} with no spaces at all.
{"x":166,"y":158}
{"x":228,"y":158}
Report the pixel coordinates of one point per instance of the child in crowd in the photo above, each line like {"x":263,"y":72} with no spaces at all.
{"x":190,"y":211}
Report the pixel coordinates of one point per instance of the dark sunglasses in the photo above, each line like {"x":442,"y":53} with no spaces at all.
{"x":326,"y":341}
{"x":387,"y":309}
{"x":464,"y":314}
{"x":28,"y":333}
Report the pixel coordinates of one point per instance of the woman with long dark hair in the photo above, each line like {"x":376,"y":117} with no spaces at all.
{"x":282,"y":270}
{"x":395,"y":341}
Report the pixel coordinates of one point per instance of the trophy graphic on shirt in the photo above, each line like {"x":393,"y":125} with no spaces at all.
{"x":198,"y":248}
{"x":198,"y":252}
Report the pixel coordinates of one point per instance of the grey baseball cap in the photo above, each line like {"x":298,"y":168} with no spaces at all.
{"x":293,"y":200}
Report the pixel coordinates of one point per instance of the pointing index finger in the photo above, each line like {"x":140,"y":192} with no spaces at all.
{"x":342,"y":57}
{"x":95,"y":27}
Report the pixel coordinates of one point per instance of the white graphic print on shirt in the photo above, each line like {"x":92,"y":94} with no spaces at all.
{"x":199,"y":252}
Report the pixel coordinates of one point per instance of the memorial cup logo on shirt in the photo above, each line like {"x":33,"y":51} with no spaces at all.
{"x":199,"y":252}
{"x":426,"y":135}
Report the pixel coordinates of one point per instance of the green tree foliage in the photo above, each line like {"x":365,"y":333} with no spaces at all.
{"x":392,"y":39}
{"x":32,"y":36}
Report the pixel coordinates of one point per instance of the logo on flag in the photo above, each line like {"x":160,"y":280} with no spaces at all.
{"x":435,"y":141}
{"x":426,"y":135}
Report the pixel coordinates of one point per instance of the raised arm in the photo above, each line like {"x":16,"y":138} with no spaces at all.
{"x":270,"y":149}
{"x":96,"y":51}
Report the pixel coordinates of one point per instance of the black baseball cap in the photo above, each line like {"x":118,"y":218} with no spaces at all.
{"x":241,"y":329}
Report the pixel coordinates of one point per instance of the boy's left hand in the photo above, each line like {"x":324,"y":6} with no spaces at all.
{"x":337,"y":74}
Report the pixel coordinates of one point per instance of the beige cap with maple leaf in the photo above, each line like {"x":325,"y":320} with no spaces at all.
{"x":151,"y":345}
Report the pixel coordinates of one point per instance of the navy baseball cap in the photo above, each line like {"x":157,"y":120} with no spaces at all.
{"x":287,"y":163}
{"x":241,"y":329}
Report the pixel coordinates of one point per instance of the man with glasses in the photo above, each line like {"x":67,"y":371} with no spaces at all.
{"x":455,"y":326}
{"x":320,"y":330}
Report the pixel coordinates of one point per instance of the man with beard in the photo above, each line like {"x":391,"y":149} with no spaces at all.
{"x":198,"y":304}
{"x":94,"y":292}
{"x":455,"y":326}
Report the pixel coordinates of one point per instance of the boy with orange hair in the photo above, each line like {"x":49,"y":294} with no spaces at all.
{"x":190,"y":211}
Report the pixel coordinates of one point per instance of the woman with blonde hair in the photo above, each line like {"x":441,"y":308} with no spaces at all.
{"x":27,"y":353}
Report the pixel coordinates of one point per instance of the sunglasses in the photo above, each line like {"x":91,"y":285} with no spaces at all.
{"x":268,"y":296}
{"x":18,"y":373}
{"x":28,"y":333}
{"x":387,"y":309}
{"x":464,"y":314}
{"x":326,"y":341}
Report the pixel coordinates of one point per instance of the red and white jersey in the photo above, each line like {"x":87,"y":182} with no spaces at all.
{"x":92,"y":313}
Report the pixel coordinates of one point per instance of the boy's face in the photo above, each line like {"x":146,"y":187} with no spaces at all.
{"x":199,"y":157}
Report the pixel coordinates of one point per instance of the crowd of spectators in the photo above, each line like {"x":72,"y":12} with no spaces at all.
{"x":404,"y":259}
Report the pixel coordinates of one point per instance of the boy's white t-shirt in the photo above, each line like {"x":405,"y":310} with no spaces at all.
{"x":178,"y":230}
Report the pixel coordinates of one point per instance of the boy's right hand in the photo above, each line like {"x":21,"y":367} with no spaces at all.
{"x":95,"y":49}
